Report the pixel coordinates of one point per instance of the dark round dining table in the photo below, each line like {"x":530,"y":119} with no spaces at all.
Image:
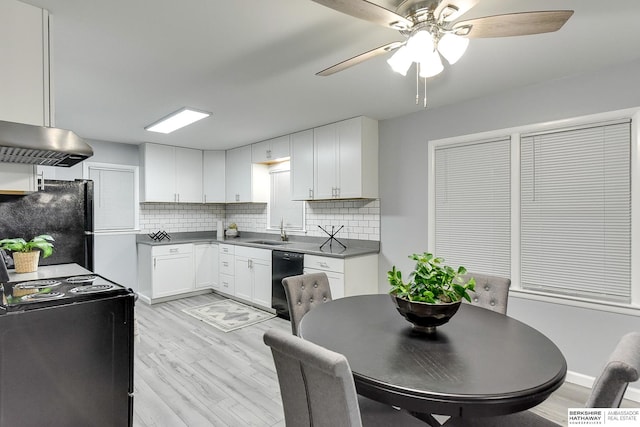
{"x":480,"y":363}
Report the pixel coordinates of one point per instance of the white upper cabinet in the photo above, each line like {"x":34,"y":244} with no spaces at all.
{"x":16,"y":178}
{"x":245,"y":182}
{"x":171,"y":174}
{"x":346,"y":159}
{"x":271,"y":150}
{"x":24,"y":74}
{"x":302,"y":165}
{"x":213,"y":176}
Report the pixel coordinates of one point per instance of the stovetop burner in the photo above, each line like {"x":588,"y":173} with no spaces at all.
{"x":91,"y":289}
{"x":42,"y":297}
{"x":81,"y":279}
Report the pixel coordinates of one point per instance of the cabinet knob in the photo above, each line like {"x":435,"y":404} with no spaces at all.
{"x":311,"y":193}
{"x":173,"y":251}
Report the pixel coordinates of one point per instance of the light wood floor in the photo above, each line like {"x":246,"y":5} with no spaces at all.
{"x":188,"y":373}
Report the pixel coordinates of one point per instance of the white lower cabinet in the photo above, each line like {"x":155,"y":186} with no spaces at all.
{"x":347,"y":276}
{"x":173,"y":271}
{"x":226,"y":270}
{"x":206,"y":266}
{"x":253,"y":275}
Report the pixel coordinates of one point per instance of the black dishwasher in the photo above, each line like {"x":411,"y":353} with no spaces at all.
{"x":284,"y":264}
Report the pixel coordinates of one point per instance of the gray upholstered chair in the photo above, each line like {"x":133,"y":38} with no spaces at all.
{"x":491,"y":292}
{"x":317,"y":388}
{"x":608,"y":390}
{"x":303,"y":293}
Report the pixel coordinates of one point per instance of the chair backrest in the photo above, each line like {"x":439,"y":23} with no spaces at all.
{"x":303,"y":293}
{"x":491,"y":292}
{"x":622,"y":368}
{"x":316,"y":384}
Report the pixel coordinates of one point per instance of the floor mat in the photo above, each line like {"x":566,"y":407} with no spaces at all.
{"x":228,"y":315}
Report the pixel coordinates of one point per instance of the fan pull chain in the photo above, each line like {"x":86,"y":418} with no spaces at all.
{"x":417,"y":83}
{"x":425,"y":92}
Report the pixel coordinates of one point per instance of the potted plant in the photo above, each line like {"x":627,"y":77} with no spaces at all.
{"x":433,"y":293}
{"x":26,"y":254}
{"x":232,"y":231}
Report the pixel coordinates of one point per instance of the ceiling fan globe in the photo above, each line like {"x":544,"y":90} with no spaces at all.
{"x":452,"y":47}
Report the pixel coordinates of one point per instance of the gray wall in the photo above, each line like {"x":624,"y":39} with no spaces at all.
{"x":586,"y":337}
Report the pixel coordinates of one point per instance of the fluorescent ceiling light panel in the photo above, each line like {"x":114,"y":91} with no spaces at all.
{"x":181,"y":118}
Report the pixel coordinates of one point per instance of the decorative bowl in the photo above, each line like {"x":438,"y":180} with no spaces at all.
{"x":231,"y":232}
{"x":425,"y":316}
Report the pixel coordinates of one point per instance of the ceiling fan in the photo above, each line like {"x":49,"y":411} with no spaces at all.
{"x":430,"y":31}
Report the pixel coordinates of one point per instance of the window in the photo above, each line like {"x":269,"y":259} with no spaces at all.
{"x":472,"y":206}
{"x":551,"y":207}
{"x":281,"y":207}
{"x":576,"y":212}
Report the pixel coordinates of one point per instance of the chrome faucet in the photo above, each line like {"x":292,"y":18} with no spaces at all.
{"x":283,"y":234}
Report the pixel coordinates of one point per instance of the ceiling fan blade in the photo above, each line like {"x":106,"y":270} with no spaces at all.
{"x":513,"y":24}
{"x":360,"y":58}
{"x":453,"y":9}
{"x":369,"y":12}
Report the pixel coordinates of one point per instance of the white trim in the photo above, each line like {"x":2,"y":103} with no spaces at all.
{"x":635,"y":208}
{"x":587,"y":381}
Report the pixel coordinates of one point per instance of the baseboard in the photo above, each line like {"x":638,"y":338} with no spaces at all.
{"x":587,"y":381}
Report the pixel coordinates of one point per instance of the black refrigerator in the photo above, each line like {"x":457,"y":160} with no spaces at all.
{"x":64,"y":210}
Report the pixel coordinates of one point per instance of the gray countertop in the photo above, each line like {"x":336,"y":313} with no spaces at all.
{"x":48,"y":272}
{"x":306,"y":245}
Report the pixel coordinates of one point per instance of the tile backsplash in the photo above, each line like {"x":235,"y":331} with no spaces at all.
{"x":179,"y":217}
{"x":360,"y":217}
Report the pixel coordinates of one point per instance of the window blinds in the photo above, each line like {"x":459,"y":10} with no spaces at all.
{"x":473,"y":206}
{"x":576,"y":212}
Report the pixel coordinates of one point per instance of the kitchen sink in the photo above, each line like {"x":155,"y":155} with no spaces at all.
{"x":268,"y":242}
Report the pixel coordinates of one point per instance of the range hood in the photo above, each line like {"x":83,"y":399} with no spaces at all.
{"x":38,"y":145}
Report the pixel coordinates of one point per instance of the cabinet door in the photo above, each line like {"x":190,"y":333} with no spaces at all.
{"x":279,"y":149}
{"x":188,"y":175}
{"x":24,"y":74}
{"x":243,"y":278}
{"x":206,"y":266}
{"x":213,"y":176}
{"x":325,"y":168}
{"x":262,"y":282}
{"x":17,"y":178}
{"x":238,"y":174}
{"x":349,"y":159}
{"x":172,"y":274}
{"x":159,"y":173}
{"x":302,"y":165}
{"x":271,"y":150}
{"x":336,"y":281}
{"x":261,"y":152}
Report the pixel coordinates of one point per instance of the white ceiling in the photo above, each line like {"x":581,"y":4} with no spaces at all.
{"x":120,"y":65}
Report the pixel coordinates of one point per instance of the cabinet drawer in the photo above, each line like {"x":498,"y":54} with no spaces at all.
{"x":227,"y":249}
{"x":324,"y":263}
{"x":181,"y":249}
{"x":253,"y":253}
{"x":226,"y":264}
{"x":227,"y":284}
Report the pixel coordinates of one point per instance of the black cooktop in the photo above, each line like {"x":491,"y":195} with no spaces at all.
{"x":33,"y":294}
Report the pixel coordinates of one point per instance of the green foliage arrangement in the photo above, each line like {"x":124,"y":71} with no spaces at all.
{"x":431,"y":281}
{"x":18,"y":244}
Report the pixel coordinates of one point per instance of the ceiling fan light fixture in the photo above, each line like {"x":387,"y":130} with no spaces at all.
{"x":401,"y":61}
{"x":452,"y":47}
{"x":420,"y":44}
{"x":431,"y":65}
